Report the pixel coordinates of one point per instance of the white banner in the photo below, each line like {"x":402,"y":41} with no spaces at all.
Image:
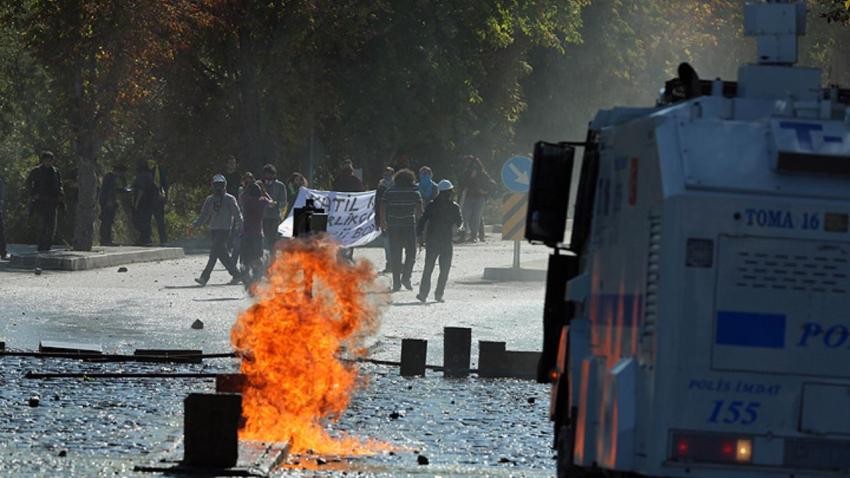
{"x":351,"y":216}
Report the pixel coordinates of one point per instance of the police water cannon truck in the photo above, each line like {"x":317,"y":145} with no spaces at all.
{"x":697,"y":322}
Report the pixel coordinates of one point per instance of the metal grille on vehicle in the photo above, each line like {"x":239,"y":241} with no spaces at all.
{"x":821,"y":273}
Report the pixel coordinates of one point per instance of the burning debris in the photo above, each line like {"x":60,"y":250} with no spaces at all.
{"x":313,"y":310}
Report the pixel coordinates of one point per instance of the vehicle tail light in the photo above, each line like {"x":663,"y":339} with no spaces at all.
{"x":711,"y":448}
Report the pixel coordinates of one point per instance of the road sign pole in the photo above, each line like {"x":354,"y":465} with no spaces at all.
{"x":516,"y":254}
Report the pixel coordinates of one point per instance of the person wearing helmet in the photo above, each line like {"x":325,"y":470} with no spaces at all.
{"x":221,"y":212}
{"x":438,"y":224}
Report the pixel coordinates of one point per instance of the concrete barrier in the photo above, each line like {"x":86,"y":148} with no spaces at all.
{"x":457,"y":342}
{"x":511,"y":274}
{"x":494,"y":361}
{"x":97,"y":258}
{"x":210,"y":430}
{"x":413,"y":355}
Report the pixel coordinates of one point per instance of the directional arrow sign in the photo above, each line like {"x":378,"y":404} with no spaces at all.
{"x":516,"y":174}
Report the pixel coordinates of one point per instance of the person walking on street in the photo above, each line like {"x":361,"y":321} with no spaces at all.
{"x":437,"y":225}
{"x":45,"y":189}
{"x":347,"y":182}
{"x":234,"y":187}
{"x":427,"y":187}
{"x":160,"y":181}
{"x":3,"y":251}
{"x":402,"y":207}
{"x":384,"y":185}
{"x":271,"y":217}
{"x":478,"y":184}
{"x":144,"y":203}
{"x":222,"y":213}
{"x":112,"y":185}
{"x":254,"y":203}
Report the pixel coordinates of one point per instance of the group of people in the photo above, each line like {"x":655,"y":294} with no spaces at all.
{"x":144,"y":198}
{"x":243,"y":215}
{"x":425,"y":212}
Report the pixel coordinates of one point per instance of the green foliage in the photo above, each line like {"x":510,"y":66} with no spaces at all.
{"x":189,"y":82}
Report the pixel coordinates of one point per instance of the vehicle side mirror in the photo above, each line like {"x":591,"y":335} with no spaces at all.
{"x":549,"y":193}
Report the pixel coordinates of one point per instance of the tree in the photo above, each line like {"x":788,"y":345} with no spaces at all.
{"x":101,"y":57}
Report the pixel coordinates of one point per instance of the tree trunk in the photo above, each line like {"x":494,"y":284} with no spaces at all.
{"x":86,"y":212}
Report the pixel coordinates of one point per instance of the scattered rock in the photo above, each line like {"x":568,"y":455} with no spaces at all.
{"x":62,"y":453}
{"x":321,"y":461}
{"x":56,"y":398}
{"x":395,"y":416}
{"x":34,"y":401}
{"x":37,"y":271}
{"x":197,"y":324}
{"x":122,"y":269}
{"x":422,"y":460}
{"x":504,"y":460}
{"x":531,"y":400}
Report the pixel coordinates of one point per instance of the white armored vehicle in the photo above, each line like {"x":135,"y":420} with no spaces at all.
{"x":698,"y":322}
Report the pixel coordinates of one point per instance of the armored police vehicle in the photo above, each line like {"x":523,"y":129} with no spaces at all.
{"x":697,"y":323}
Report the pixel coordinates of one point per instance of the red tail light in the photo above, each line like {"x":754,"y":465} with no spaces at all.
{"x":711,"y":448}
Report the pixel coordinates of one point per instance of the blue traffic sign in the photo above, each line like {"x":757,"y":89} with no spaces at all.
{"x":516,"y":174}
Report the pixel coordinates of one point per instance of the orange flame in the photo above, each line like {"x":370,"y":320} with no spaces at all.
{"x":313,"y":310}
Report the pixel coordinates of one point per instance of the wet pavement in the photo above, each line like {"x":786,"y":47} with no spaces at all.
{"x":465,"y":427}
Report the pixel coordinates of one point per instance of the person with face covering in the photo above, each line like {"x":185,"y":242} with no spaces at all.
{"x":427,"y":187}
{"x":221,"y":212}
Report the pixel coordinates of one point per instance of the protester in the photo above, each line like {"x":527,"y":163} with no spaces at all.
{"x":384,"y":184}
{"x":477,"y":185}
{"x":436,"y":227}
{"x":234,"y":245}
{"x":232,"y":176}
{"x":254,"y":203}
{"x":3,"y":251}
{"x":346,"y":181}
{"x":271,"y":217}
{"x":295,"y":182}
{"x":113,"y":184}
{"x":427,"y":187}
{"x":160,"y":182}
{"x":44,"y":185}
{"x":247,"y":180}
{"x":222,"y":213}
{"x":402,"y":206}
{"x":145,"y":198}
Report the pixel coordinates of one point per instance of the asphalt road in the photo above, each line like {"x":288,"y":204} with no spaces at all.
{"x":469,"y":427}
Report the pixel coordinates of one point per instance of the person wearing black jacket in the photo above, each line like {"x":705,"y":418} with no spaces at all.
{"x":114,"y":183}
{"x":438,"y":222}
{"x":44,"y":185}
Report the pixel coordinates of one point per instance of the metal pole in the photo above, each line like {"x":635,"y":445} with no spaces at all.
{"x":516,"y":254}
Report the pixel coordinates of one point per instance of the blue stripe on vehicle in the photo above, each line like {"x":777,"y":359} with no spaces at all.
{"x":746,"y":329}
{"x":833,"y":139}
